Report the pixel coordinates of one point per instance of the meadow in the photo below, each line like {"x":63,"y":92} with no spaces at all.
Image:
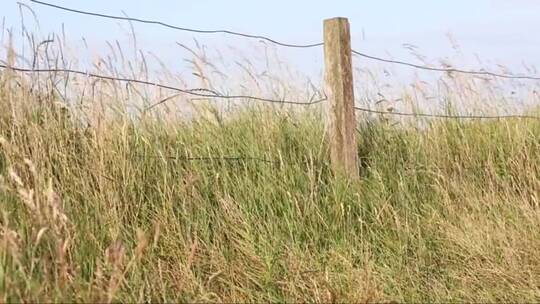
{"x":103,"y":201}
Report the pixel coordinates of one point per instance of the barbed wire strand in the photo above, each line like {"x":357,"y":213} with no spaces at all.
{"x":446,"y":116}
{"x":448,"y":70}
{"x":193,"y":92}
{"x":210,"y":158}
{"x":177,"y":27}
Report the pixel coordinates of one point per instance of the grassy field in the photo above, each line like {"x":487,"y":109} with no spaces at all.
{"x":133,"y":208}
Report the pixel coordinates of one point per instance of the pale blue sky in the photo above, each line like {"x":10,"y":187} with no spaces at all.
{"x":499,"y":31}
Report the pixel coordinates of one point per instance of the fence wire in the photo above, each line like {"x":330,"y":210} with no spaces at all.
{"x":447,"y":70}
{"x":193,"y":92}
{"x":229,"y":159}
{"x":167,"y":25}
{"x":361,"y":109}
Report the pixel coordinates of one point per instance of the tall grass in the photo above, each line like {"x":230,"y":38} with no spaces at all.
{"x":101,"y":203}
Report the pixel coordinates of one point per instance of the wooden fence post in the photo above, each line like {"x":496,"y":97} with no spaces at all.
{"x":339,"y":89}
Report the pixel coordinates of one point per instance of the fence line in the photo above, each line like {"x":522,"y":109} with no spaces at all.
{"x":338,"y":53}
{"x":367,"y":56}
{"x":193,"y":92}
